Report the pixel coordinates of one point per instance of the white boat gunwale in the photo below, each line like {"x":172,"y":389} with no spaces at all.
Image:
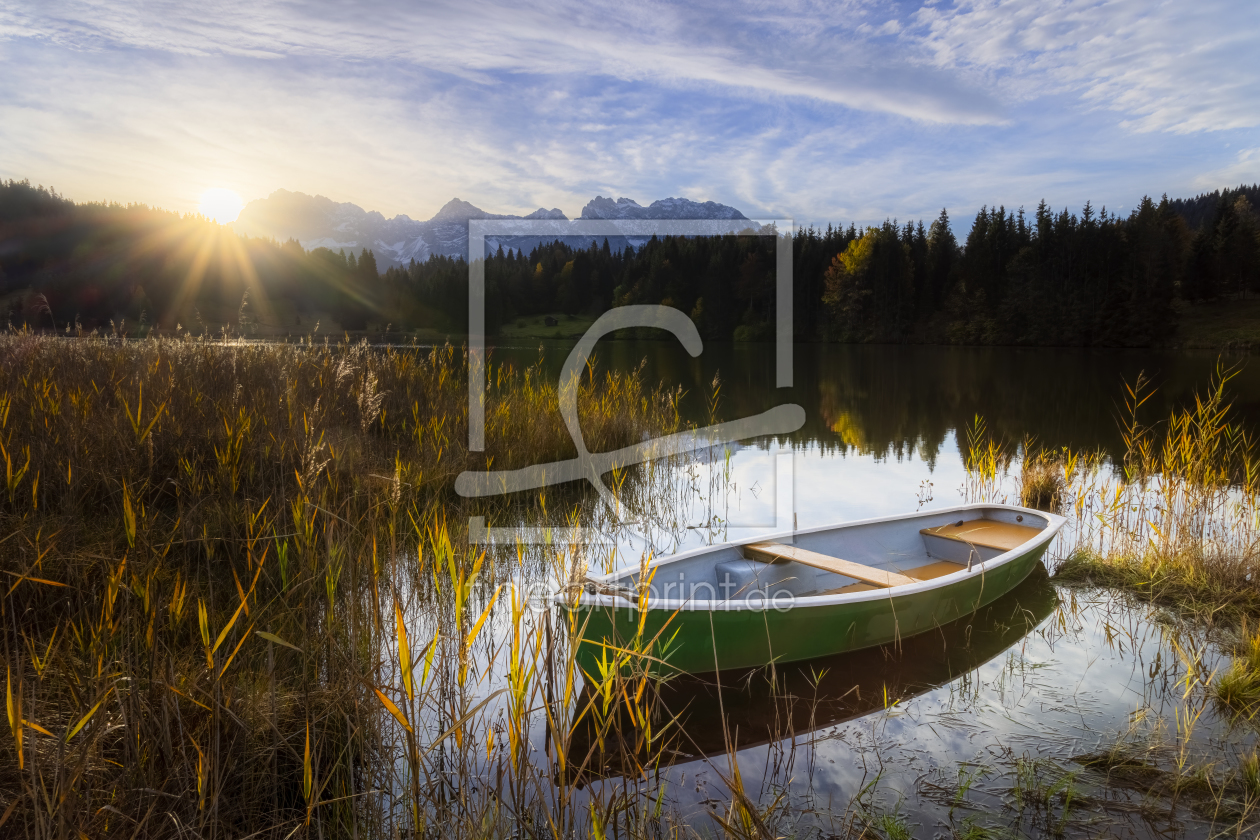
{"x":587,"y":599}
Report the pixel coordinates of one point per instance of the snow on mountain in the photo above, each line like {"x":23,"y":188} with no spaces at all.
{"x":667,"y":208}
{"x":627,"y":209}
{"x":316,"y":221}
{"x":553,"y":214}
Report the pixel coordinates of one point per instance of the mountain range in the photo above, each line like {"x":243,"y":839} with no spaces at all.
{"x":316,"y":221}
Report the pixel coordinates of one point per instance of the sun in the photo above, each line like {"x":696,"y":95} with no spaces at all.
{"x":221,"y":204}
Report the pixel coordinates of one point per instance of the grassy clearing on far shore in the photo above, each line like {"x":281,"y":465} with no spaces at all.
{"x":1231,"y":324}
{"x":535,"y":326}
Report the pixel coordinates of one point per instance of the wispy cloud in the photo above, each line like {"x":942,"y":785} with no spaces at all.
{"x":1179,"y":66}
{"x":826,"y":52}
{"x":819,"y":110}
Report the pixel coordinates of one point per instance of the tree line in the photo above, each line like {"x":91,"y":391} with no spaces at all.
{"x":1046,"y":278}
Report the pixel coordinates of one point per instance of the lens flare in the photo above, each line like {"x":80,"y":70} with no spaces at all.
{"x":221,"y":204}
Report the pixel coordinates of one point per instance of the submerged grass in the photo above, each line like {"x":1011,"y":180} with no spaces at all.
{"x":1220,"y":791}
{"x":1238,"y":688}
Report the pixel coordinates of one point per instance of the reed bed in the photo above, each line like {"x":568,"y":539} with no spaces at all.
{"x":240,"y":601}
{"x":1176,"y":519}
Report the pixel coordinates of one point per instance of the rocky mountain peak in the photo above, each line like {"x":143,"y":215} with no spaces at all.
{"x":669,"y":208}
{"x":458,"y":210}
{"x":319,"y":222}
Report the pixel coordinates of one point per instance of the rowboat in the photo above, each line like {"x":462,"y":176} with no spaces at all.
{"x":712,"y":710}
{"x":805,"y":594}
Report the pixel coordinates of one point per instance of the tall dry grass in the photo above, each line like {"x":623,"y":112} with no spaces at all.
{"x":238,"y":599}
{"x":1175,"y":519}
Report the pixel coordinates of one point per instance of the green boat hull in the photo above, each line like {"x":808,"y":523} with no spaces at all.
{"x":750,"y":638}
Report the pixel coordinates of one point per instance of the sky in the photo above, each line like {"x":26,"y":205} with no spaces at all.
{"x":842,"y":111}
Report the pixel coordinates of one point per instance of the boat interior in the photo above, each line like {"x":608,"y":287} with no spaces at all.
{"x":851,"y":558}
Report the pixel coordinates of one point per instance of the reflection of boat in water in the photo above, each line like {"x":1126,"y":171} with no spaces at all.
{"x":811,"y":593}
{"x":766,"y":705}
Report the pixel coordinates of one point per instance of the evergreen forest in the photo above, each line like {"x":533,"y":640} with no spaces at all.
{"x":1046,"y":278}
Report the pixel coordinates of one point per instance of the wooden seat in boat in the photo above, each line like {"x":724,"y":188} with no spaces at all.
{"x":987,"y":533}
{"x":928,"y":572}
{"x":773,"y":552}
